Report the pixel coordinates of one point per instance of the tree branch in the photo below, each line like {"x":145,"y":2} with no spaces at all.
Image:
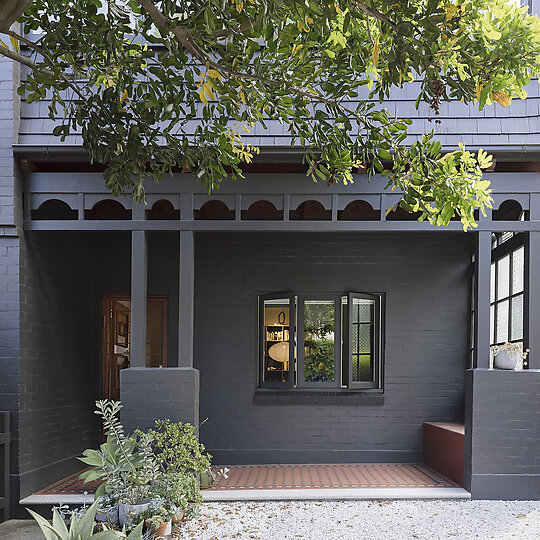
{"x":374,"y":13}
{"x":18,"y":57}
{"x":35,"y":67}
{"x":228,"y":31}
{"x":185,"y":37}
{"x":10,"y":11}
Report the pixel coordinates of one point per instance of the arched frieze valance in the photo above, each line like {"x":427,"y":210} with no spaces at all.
{"x":54,"y":209}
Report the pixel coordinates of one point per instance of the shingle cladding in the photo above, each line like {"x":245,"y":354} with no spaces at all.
{"x":495,"y":126}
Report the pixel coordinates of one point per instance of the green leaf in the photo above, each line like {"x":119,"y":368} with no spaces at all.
{"x":45,"y":527}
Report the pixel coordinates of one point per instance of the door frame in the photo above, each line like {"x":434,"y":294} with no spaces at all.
{"x":105,"y":311}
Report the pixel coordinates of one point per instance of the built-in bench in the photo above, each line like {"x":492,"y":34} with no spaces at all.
{"x":444,"y":449}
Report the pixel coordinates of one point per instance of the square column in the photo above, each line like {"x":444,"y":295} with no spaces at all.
{"x":532,"y":320}
{"x":482,"y":299}
{"x":186,"y":300}
{"x":138,"y":299}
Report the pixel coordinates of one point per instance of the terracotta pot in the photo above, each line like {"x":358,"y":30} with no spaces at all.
{"x":163,"y":530}
{"x":177,"y":518}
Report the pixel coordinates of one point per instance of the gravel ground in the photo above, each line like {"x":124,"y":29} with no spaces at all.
{"x":358,"y":520}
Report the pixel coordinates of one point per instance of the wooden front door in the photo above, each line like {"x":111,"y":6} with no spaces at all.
{"x":116,"y":335}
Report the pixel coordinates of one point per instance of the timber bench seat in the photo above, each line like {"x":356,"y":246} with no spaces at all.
{"x":444,"y":449}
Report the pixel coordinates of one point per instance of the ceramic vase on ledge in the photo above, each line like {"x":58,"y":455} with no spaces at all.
{"x":506,"y":359}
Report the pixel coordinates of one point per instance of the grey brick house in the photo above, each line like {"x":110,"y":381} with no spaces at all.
{"x":185,"y":307}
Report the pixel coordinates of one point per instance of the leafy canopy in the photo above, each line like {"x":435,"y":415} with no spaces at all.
{"x":159,"y":85}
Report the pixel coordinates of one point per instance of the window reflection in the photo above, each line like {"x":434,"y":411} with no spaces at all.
{"x":319,"y":355}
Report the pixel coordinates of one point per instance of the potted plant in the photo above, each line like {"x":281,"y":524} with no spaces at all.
{"x":508,"y":356}
{"x":107,"y":509}
{"x":158,"y":517}
{"x":158,"y":526}
{"x":81,"y":527}
{"x":128,"y":469}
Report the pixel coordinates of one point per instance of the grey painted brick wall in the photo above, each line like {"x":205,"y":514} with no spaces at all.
{"x":10,"y":251}
{"x":58,"y":375}
{"x":503,"y":434}
{"x":426,"y":279}
{"x":158,"y":393}
{"x":64,"y":278}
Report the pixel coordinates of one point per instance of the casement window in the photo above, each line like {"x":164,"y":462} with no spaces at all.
{"x":321,"y":341}
{"x":507,"y":290}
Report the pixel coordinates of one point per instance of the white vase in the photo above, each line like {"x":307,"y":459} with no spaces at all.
{"x":127,"y":513}
{"x":506,"y":359}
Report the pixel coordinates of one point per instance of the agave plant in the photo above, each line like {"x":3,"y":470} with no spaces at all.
{"x":80,"y":528}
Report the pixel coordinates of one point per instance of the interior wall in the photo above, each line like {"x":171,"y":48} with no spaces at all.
{"x":64,"y":278}
{"x":426,"y":280}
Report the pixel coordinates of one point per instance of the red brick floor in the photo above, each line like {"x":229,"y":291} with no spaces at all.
{"x":342,"y":476}
{"x":330,"y":476}
{"x":71,"y":485}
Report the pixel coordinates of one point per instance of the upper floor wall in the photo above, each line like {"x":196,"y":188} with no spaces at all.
{"x":515,"y":128}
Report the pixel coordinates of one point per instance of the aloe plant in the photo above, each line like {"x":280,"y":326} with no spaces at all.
{"x":81,"y":528}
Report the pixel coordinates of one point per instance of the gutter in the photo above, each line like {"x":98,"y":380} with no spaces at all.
{"x":39,"y":152}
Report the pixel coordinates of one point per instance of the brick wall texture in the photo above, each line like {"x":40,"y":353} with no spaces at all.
{"x":426,"y":281}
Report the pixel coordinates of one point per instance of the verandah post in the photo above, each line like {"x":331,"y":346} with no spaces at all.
{"x":482,"y":299}
{"x":533,"y":292}
{"x":138,"y":299}
{"x":186,"y":300}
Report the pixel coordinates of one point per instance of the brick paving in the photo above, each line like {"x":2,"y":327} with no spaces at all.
{"x":336,"y":476}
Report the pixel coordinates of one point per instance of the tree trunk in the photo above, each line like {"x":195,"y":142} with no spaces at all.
{"x":10,"y":11}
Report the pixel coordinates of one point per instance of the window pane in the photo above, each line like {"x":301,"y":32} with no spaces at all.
{"x":319,"y":357}
{"x":276,"y":340}
{"x":517,"y":317}
{"x":502,"y":322}
{"x":503,"y":277}
{"x":491,"y":325}
{"x":362,"y":344}
{"x":518,"y":265}
{"x":492,"y":284}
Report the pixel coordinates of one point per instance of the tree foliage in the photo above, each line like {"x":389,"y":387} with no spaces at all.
{"x":159,"y":85}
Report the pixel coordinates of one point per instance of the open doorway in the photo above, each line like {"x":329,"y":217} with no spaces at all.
{"x":116,"y":339}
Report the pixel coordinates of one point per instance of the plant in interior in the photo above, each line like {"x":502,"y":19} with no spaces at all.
{"x":81,"y":527}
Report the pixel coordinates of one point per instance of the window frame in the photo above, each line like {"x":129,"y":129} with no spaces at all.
{"x":262,"y":339}
{"x":342,"y":342}
{"x":376,"y":337}
{"x":503,"y":249}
